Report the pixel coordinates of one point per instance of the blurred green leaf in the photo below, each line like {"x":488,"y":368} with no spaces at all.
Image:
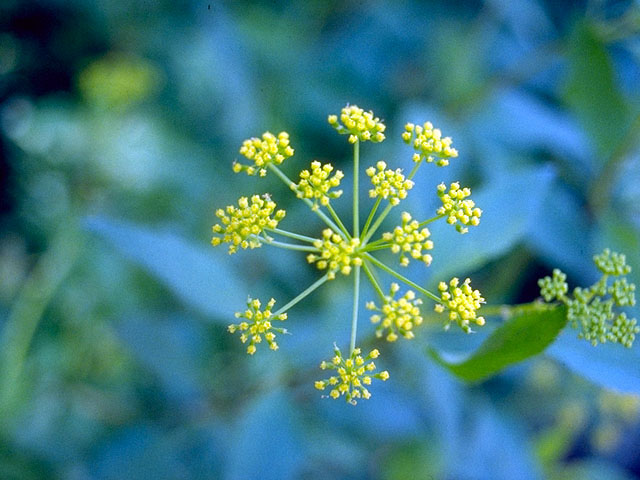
{"x":592,"y":92}
{"x":527,"y":333}
{"x":609,"y":365}
{"x":203,"y":280}
{"x":509,"y":204}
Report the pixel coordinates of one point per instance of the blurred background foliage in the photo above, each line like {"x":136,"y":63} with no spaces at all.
{"x":118,"y":125}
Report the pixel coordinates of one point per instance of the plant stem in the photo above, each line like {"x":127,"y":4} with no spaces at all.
{"x":373,"y":280}
{"x":317,"y":211}
{"x":414,"y":170}
{"x":373,"y":248}
{"x":356,"y":193}
{"x":426,"y":222}
{"x":402,"y":278}
{"x":27,"y":311}
{"x":356,"y":301}
{"x":288,"y":246}
{"x":304,"y":294}
{"x":374,"y":209}
{"x":336,"y":218}
{"x":377,"y":223}
{"x":295,"y":236}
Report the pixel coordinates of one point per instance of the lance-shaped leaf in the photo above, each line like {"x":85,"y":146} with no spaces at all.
{"x":526,"y":333}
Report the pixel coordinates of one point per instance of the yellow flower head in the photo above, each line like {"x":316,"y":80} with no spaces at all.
{"x":358,"y":124}
{"x":262,"y":152}
{"x":397,"y":316}
{"x":429,"y":144}
{"x":458,"y":210}
{"x":317,"y":183}
{"x":353,"y":374}
{"x":241,"y":225}
{"x":336,"y":253}
{"x":409,"y":240}
{"x":257,"y":324}
{"x":462,"y":303}
{"x":388,"y":184}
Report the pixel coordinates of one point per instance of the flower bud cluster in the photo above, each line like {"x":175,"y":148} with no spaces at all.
{"x":397,"y":316}
{"x":458,"y":211}
{"x":462,"y":302}
{"x":358,"y":124}
{"x":336,"y":253}
{"x":388,"y":184}
{"x":591,"y":310}
{"x":257,"y":324}
{"x":241,"y":225}
{"x":353,"y":375}
{"x":554,"y":287}
{"x":429,"y":144}
{"x":262,"y":152}
{"x":409,"y":240}
{"x":317,"y":183}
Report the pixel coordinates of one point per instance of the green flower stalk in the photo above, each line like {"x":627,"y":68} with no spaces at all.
{"x":255,"y":222}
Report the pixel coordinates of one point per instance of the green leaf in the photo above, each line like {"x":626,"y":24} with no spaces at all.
{"x":528,"y":332}
{"x":203,"y":279}
{"x":591,"y":90}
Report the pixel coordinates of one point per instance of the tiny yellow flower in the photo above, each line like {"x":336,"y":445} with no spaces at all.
{"x":317,"y":184}
{"x":429,"y":144}
{"x":388,"y":184}
{"x":457,"y":208}
{"x":259,"y":325}
{"x":409,"y":240}
{"x":264,"y":151}
{"x":241,"y":226}
{"x":397,"y":316}
{"x":353,"y":373}
{"x":358,"y":124}
{"x":336,"y":253}
{"x":462,"y":302}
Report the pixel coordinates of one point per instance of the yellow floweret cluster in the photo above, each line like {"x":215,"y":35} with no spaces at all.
{"x":358,"y":124}
{"x":410,"y":240}
{"x":353,"y":374}
{"x":241,"y":225}
{"x":264,"y":151}
{"x":429,"y":144}
{"x":457,"y":208}
{"x":388,"y":184}
{"x":397,"y":316}
{"x":462,"y":302}
{"x":258,"y":324}
{"x":317,"y":183}
{"x":336,"y":253}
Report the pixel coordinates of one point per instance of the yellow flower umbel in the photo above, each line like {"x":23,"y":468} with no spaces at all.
{"x":397,"y":316}
{"x":462,"y":302}
{"x":429,"y":144}
{"x":358,"y":124}
{"x":257,"y":324}
{"x":336,"y":253}
{"x":317,"y":183}
{"x":458,"y":211}
{"x":241,"y":225}
{"x":388,"y":184}
{"x":353,"y":374}
{"x":262,"y":152}
{"x":410,"y":239}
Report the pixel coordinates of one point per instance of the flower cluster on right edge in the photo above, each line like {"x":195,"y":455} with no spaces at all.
{"x":591,"y":310}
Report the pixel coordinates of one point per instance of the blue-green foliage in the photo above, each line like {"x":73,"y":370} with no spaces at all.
{"x":128,"y":370}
